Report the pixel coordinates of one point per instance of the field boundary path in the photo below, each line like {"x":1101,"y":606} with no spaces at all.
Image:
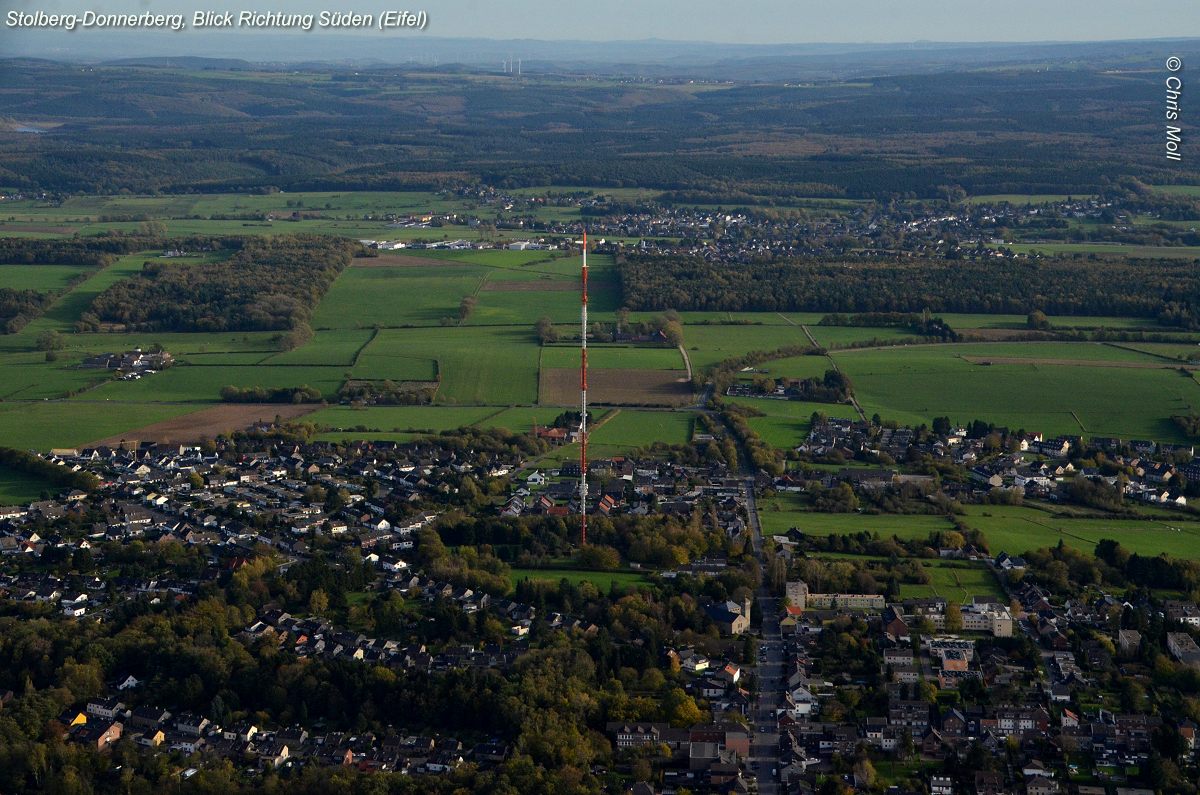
{"x":604,"y":420}
{"x":462,"y":320}
{"x":1036,"y":360}
{"x":687,"y":362}
{"x":1164,"y":357}
{"x":862,"y":415}
{"x":358,"y":353}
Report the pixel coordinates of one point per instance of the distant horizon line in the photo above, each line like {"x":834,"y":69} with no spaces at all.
{"x":414,"y":37}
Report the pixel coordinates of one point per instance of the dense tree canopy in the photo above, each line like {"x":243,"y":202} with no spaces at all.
{"x":1140,"y":288}
{"x":270,"y":284}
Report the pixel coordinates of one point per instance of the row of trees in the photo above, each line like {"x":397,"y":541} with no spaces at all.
{"x":30,"y":464}
{"x":762,"y":455}
{"x":261,"y":394}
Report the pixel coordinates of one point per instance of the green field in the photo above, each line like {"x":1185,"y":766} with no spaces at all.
{"x":614,"y":357}
{"x":390,"y":356}
{"x":622,"y":431}
{"x":1020,"y":529}
{"x":363,"y":297}
{"x":525,"y":261}
{"x":507,"y":287}
{"x":523,"y":307}
{"x":44,"y":425}
{"x":42,"y":278}
{"x":845,"y":336}
{"x":223,"y":358}
{"x":90,"y":208}
{"x":181,"y":344}
{"x":405,"y":423}
{"x":786,"y":422}
{"x":356,"y":229}
{"x":370,"y":436}
{"x":1012,"y":529}
{"x":410,"y":419}
{"x":631,"y":428}
{"x":28,"y":376}
{"x":1181,"y":351}
{"x":1075,"y":351}
{"x":601,"y":579}
{"x":522,"y":419}
{"x":494,"y":366}
{"x":520,"y":294}
{"x":709,"y":345}
{"x":772,"y":318}
{"x":19,"y":488}
{"x":1183,"y":190}
{"x":329,"y":347}
{"x":956,"y":581}
{"x":916,"y":384}
{"x":1095,"y":322}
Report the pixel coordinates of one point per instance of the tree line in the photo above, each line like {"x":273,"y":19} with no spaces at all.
{"x":18,"y":307}
{"x":31,"y":464}
{"x":919,"y":323}
{"x":101,"y":250}
{"x":261,"y":394}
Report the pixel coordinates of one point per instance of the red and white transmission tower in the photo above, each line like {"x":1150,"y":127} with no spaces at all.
{"x":583,"y":407}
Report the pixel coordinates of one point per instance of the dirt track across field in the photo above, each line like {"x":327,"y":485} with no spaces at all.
{"x":1079,"y":363}
{"x":208,"y":423}
{"x":559,"y":386}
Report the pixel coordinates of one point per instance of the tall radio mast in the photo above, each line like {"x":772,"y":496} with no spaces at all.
{"x":583,"y":407}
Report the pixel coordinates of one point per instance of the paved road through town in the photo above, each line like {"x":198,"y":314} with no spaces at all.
{"x":764,"y":750}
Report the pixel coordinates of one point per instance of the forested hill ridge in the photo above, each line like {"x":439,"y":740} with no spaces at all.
{"x":1163,"y":289}
{"x":144,"y":129}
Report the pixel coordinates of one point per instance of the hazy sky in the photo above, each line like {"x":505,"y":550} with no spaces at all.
{"x":748,"y":21}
